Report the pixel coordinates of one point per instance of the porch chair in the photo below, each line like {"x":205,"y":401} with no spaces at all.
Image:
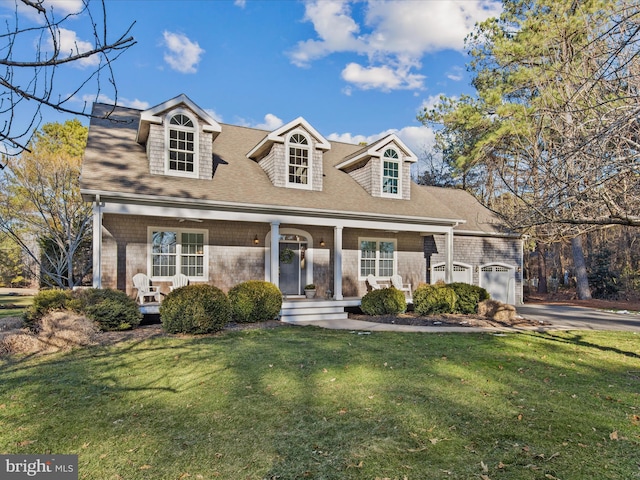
{"x":396,"y":281}
{"x":141,"y":283}
{"x":373,"y":283}
{"x":179,"y":280}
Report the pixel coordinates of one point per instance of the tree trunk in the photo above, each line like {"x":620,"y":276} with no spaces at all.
{"x":542,"y":267}
{"x":582,"y":281}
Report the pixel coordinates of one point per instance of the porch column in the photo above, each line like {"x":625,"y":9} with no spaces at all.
{"x":448,"y":256}
{"x":275,"y":254}
{"x":337,"y":263}
{"x":97,"y":243}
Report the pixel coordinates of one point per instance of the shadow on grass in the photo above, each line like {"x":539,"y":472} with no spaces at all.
{"x":300,"y":402}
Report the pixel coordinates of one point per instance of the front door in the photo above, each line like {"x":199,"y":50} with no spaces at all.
{"x":292,"y":267}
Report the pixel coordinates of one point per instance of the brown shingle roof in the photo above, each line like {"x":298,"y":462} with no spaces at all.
{"x":115,"y":163}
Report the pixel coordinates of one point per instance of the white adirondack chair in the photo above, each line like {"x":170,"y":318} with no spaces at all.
{"x":145,"y":289}
{"x":179,"y":280}
{"x":396,"y":281}
{"x":373,"y":283}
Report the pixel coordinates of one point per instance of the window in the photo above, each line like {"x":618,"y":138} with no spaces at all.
{"x":298,"y":165}
{"x":181,"y":251}
{"x":377,"y":257}
{"x":182,"y":146}
{"x":390,"y":173}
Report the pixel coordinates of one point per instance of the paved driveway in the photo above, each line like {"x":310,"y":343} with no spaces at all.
{"x":568,"y":317}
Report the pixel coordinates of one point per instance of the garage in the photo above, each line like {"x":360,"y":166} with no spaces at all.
{"x":499,"y":281}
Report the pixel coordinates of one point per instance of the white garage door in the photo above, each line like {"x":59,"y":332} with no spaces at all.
{"x":499,"y":281}
{"x":461,"y":273}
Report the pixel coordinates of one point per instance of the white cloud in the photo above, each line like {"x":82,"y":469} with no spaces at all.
{"x":240,"y":3}
{"x":69,"y":44}
{"x":215,"y":115}
{"x":456,"y":74}
{"x":122,"y":102}
{"x":59,"y":9}
{"x":393,"y":35}
{"x":384,"y":78}
{"x":271,"y":122}
{"x":183,"y":55}
{"x":415,"y":137}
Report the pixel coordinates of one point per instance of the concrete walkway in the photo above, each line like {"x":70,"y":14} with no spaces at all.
{"x":555,"y":317}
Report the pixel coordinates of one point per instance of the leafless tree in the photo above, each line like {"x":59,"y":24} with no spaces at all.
{"x":28,"y":82}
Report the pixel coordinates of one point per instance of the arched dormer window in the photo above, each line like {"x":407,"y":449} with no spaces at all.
{"x":298,"y":161}
{"x":182,"y":147}
{"x":391,"y":173}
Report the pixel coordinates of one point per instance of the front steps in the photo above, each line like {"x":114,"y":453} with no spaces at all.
{"x":301,"y":311}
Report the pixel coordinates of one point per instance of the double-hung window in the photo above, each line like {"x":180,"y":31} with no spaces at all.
{"x":177,"y":251}
{"x":390,"y":173}
{"x":377,"y":257}
{"x":298,"y":173}
{"x":181,"y":154}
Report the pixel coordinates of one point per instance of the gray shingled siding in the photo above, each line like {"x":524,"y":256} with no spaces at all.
{"x":363,"y":176}
{"x":268,"y":164}
{"x":409,"y":254}
{"x":476,"y":251}
{"x":406,"y":181}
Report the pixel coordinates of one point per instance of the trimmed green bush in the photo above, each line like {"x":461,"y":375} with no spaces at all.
{"x":468,"y":297}
{"x":433,"y":299}
{"x":255,"y":301}
{"x":196,"y":309}
{"x":44,"y":302}
{"x":385,"y":301}
{"x":110,"y":309}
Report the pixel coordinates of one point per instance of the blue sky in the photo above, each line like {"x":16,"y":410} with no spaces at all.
{"x":355,"y":70}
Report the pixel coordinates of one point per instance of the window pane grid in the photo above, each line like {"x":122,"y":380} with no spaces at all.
{"x":390,"y":176}
{"x":298,"y":165}
{"x":165,"y":260}
{"x":377,"y":258}
{"x":181,"y":150}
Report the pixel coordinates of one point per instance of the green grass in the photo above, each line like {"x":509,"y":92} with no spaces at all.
{"x":19,"y":301}
{"x":296,"y":403}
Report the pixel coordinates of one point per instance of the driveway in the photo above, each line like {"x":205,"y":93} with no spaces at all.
{"x":567,"y":317}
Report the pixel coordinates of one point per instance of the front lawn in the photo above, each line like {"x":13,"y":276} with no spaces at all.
{"x":14,"y":305}
{"x":300,"y":402}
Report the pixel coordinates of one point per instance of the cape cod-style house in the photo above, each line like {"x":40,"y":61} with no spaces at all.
{"x":174,"y":191}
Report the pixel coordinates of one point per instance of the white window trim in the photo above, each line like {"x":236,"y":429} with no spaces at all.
{"x":394,"y":160}
{"x":309,"y":147}
{"x":196,"y":144}
{"x":179,"y":232}
{"x":378,"y":240}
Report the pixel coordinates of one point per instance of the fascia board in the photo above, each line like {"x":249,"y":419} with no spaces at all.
{"x":283,"y":212}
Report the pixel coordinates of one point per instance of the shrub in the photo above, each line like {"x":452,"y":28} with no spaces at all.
{"x":468,"y":297}
{"x":110,"y":309}
{"x":255,"y":301}
{"x":197,"y":308}
{"x":431,"y":299}
{"x":385,"y":301}
{"x":44,"y":302}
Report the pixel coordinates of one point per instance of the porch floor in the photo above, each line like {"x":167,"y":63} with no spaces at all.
{"x":293,"y":308}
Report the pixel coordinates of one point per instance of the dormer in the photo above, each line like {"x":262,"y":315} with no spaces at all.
{"x":382,"y":168}
{"x":178,"y":136}
{"x":292,"y":155}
